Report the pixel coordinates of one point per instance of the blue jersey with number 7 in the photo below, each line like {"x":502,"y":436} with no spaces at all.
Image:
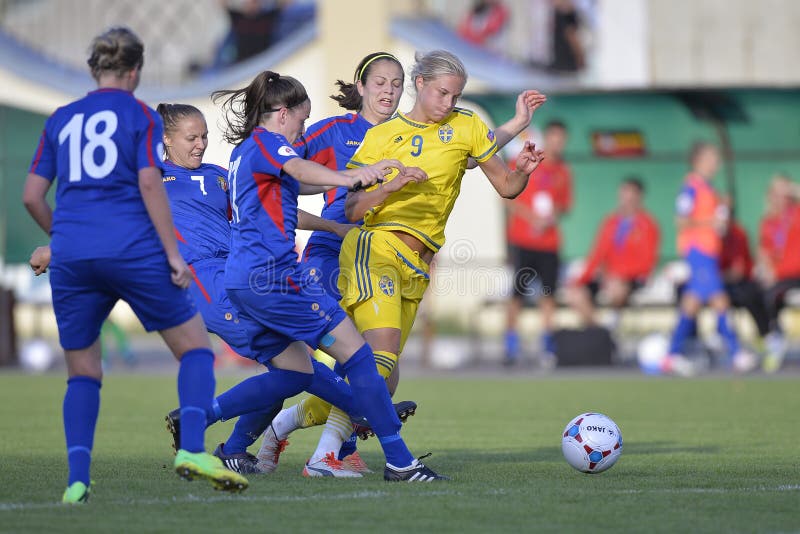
{"x":96,"y":146}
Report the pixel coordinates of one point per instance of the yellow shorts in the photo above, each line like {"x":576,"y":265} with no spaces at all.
{"x":381,"y":281}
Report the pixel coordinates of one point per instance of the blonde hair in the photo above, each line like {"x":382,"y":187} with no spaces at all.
{"x":437,"y":63}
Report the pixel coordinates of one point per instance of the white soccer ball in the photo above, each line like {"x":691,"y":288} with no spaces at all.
{"x":36,"y":356}
{"x":591,"y":443}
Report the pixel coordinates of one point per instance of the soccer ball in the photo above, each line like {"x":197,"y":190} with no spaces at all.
{"x":591,"y":443}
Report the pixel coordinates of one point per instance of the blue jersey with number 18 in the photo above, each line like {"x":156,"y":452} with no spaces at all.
{"x":95,"y":146}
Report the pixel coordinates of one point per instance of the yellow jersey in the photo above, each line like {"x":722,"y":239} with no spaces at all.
{"x":441,"y":150}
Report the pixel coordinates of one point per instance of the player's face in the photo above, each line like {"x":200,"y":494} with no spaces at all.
{"x":628,"y":197}
{"x":295,"y":123}
{"x":382,"y":91}
{"x":187,"y":144}
{"x":707,"y":162}
{"x":436,"y":98}
{"x":555,"y":139}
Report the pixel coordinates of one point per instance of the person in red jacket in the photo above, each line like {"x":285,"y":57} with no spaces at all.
{"x":736,"y":266}
{"x":624,"y":254}
{"x":779,"y":260}
{"x":485,"y":24}
{"x":534,"y":239}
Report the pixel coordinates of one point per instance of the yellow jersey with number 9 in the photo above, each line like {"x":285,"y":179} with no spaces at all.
{"x":441,"y":150}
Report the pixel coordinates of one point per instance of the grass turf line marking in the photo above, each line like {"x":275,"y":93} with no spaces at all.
{"x":191,"y":498}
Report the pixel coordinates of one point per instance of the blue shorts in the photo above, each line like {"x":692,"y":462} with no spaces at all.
{"x":85,"y":291}
{"x":220,"y":316}
{"x":277,"y":318}
{"x":705,"y":280}
{"x":322,"y":263}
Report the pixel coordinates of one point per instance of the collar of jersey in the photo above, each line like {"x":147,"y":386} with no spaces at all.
{"x":110,"y":90}
{"x":413,"y":123}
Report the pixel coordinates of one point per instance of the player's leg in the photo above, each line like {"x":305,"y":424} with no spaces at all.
{"x":80,"y":309}
{"x":580,"y":299}
{"x":774,"y":300}
{"x":546,"y":264}
{"x":521,"y":280}
{"x":618,"y":291}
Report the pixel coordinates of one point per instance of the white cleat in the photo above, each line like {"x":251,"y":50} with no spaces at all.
{"x":328,"y":466}
{"x":270,"y":452}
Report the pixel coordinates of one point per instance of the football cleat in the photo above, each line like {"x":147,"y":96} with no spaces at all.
{"x":354,"y":462}
{"x":403,"y":409}
{"x":76,"y":493}
{"x":416,"y":472}
{"x":243,"y":463}
{"x":191,"y":465}
{"x":328,"y":466}
{"x":270,"y":452}
{"x":173,"y":419}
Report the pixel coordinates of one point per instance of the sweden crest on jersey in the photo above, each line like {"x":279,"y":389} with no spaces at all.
{"x":387,"y":285}
{"x":445,"y":133}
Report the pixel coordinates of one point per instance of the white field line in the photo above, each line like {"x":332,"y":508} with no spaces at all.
{"x":192,"y":499}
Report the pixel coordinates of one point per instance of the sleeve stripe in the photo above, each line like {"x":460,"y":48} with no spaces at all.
{"x":150,"y":157}
{"x":330,"y":125}
{"x":266,"y":154}
{"x":487,"y":154}
{"x":353,"y":163}
{"x":39,"y":150}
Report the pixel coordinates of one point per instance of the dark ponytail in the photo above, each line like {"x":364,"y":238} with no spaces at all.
{"x":267,"y":93}
{"x":348,"y":96}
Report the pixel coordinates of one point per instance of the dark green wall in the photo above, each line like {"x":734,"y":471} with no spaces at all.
{"x":19,"y":135}
{"x":767,"y":141}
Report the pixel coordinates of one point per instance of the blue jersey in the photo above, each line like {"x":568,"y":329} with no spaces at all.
{"x":332,"y":142}
{"x":200,"y":208}
{"x":95,"y":146}
{"x":264,"y":213}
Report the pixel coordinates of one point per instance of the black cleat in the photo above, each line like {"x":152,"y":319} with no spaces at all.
{"x":403,"y":409}
{"x":416,"y":472}
{"x":243,"y":463}
{"x":173,"y":419}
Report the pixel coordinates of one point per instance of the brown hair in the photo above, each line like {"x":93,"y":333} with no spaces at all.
{"x":173,"y":114}
{"x":348,"y":96}
{"x":267,"y":93}
{"x":117,"y":50}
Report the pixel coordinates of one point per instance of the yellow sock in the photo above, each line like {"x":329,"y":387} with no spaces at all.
{"x":313,"y":411}
{"x":386,"y":361}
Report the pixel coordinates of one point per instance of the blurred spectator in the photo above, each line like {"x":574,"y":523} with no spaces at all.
{"x":736,"y":265}
{"x":534,"y":239}
{"x":485,"y":24}
{"x":252,"y":25}
{"x":624,"y":255}
{"x":568,"y":53}
{"x":702,"y":218}
{"x":779,"y":260}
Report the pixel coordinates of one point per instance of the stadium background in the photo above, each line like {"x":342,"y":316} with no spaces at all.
{"x":663,"y":73}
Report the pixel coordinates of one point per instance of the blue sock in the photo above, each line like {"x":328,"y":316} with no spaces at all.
{"x":726,"y":331}
{"x":259,"y":393}
{"x":683,"y":331}
{"x":512,"y":344}
{"x":338,"y":369}
{"x":195,"y":392}
{"x":248,"y":429}
{"x":332,"y":388}
{"x":349,"y":446}
{"x":372,"y":397}
{"x":80,"y":409}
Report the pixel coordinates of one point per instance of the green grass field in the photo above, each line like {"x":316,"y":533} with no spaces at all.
{"x":705,"y":455}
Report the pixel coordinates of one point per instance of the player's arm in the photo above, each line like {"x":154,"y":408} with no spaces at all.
{"x":527,"y":103}
{"x":358,"y":203}
{"x":314,"y":174}
{"x":384,"y":167}
{"x":598,"y":255}
{"x":307,"y":221}
{"x":34,"y":196}
{"x":154,"y":196}
{"x":510,"y":183}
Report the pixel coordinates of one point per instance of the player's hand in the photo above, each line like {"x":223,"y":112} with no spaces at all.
{"x":386,"y":165}
{"x":409,"y":175}
{"x":365,"y":177}
{"x":181,"y":275}
{"x":529,"y":158}
{"x":527,"y":103}
{"x":40,"y":260}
